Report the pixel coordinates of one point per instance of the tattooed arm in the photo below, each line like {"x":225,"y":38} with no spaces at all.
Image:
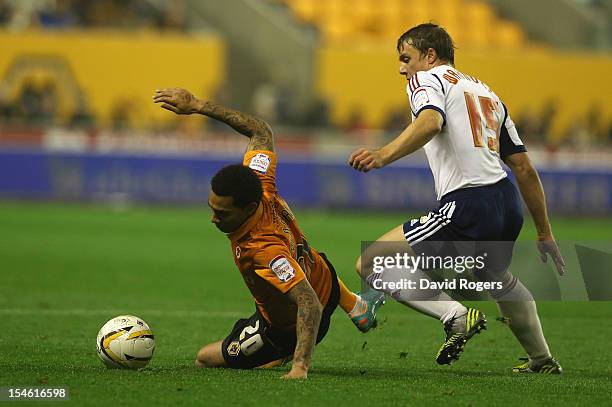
{"x":181,"y":101}
{"x":306,"y":327}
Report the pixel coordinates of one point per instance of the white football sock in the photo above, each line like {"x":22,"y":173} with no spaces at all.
{"x":444,"y":310}
{"x":523,"y":319}
{"x":432,"y":302}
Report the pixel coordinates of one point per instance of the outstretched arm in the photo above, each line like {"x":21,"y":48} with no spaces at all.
{"x":307,"y":326}
{"x":181,"y":101}
{"x":533,"y":193}
{"x":417,"y":134}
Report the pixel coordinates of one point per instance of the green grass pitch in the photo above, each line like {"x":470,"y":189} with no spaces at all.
{"x":66,"y":269}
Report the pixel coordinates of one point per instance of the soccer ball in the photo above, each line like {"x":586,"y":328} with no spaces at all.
{"x":125,"y":342}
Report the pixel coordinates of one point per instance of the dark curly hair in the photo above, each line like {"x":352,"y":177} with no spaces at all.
{"x":239,"y":182}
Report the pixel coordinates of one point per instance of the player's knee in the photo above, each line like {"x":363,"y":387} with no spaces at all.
{"x":210,"y":356}
{"x":198,"y":362}
{"x":202,"y":359}
{"x":362,"y":268}
{"x":358,"y":268}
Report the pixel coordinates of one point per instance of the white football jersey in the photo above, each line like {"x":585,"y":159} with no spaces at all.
{"x":477,"y":129}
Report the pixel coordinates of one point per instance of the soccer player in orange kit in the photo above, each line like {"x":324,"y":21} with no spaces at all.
{"x":295,"y":288}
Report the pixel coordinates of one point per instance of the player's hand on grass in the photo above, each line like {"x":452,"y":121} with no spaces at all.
{"x":548,"y":247}
{"x":366,"y":159}
{"x":296,"y":373}
{"x":177,"y":100}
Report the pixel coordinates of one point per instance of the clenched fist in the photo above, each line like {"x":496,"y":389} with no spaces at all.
{"x":366,"y":159}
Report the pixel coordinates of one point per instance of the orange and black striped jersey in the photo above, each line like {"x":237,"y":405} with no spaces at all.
{"x":271,"y":252}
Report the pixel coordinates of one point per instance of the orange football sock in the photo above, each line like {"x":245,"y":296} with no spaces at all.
{"x":348,"y":299}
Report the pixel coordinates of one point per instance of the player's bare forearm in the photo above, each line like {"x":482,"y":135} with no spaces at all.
{"x":307,"y":326}
{"x":254,"y":128}
{"x":181,"y":101}
{"x":532,"y":191}
{"x":417,"y":134}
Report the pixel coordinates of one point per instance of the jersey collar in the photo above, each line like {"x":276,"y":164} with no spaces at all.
{"x":247,"y":225}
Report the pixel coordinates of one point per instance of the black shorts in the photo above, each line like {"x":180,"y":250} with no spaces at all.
{"x":253,"y":342}
{"x":490,"y":217}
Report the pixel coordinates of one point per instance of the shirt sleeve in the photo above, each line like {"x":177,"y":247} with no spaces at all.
{"x":509,"y":140}
{"x":263,"y":162}
{"x":275,"y":265}
{"x":426,"y":91}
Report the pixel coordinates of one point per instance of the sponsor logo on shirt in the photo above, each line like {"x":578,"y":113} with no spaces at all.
{"x":260,"y":163}
{"x":282,"y":268}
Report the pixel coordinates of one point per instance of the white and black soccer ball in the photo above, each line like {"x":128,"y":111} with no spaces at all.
{"x":125,"y":342}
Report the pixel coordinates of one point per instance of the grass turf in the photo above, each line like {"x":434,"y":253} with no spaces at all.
{"x":66,"y":269}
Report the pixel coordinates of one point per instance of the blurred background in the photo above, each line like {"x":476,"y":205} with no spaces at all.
{"x":76,"y":78}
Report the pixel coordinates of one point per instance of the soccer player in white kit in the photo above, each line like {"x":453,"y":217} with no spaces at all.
{"x":465,"y":129}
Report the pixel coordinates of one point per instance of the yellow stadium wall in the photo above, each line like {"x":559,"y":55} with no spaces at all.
{"x":367,"y":78}
{"x":116,"y":67}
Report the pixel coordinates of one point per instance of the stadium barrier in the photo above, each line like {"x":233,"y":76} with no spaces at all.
{"x":527,"y":81}
{"x":110,"y":73}
{"x":305,"y":182}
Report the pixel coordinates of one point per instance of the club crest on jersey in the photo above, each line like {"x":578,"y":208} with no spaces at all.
{"x":260,"y":163}
{"x":420,"y":99}
{"x":282,"y":268}
{"x":234,"y":348}
{"x":238,"y":251}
